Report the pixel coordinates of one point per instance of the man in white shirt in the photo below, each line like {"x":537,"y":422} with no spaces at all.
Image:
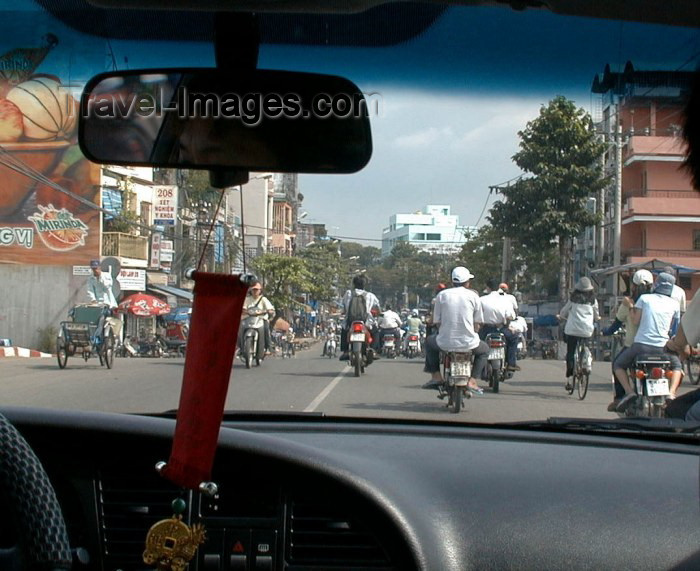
{"x":655,"y":313}
{"x":458,"y":315}
{"x":678,"y":292}
{"x":99,"y":286}
{"x":389,"y":324}
{"x":371,"y":302}
{"x":512,"y":300}
{"x":498,"y":313}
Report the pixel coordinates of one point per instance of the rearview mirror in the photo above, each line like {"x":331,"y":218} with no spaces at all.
{"x":209,"y":119}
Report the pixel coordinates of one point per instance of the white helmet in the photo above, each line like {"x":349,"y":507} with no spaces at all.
{"x":414,"y":313}
{"x":643,"y":277}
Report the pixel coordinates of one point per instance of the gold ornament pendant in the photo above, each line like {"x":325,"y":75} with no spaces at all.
{"x":171,"y":543}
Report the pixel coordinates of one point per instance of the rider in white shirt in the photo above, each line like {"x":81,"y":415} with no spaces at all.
{"x":458,"y":315}
{"x":99,"y":286}
{"x":498,"y":313}
{"x":389,"y":323}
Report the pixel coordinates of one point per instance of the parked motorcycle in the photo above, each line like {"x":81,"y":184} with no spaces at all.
{"x":252,"y":339}
{"x":456,"y":371}
{"x":359,"y":340}
{"x":651,"y":376}
{"x":496,"y":364}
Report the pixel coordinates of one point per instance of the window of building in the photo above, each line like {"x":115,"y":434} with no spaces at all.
{"x":684,"y":281}
{"x":433,"y":237}
{"x":696,"y":240}
{"x":418,"y":237}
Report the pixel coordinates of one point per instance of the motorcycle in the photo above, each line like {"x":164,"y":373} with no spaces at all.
{"x":389,"y":346}
{"x":496,"y":364}
{"x":651,"y":376}
{"x":413,"y":345}
{"x":456,"y":371}
{"x":359,"y":340}
{"x":549,"y":349}
{"x":252,"y":340}
{"x":330,"y":348}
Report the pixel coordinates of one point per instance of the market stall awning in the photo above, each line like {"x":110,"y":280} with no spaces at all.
{"x":653,"y":265}
{"x":168,"y":290}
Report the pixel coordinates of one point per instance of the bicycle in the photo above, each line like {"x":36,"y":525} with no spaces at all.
{"x":582,"y":372}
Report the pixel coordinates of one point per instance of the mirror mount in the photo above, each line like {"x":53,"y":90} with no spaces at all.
{"x":236,"y":48}
{"x":236,"y":41}
{"x":225,"y":178}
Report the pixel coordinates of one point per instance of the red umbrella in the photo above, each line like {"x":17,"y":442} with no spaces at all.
{"x":144,"y":305}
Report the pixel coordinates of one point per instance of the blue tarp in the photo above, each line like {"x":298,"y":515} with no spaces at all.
{"x":111,"y":202}
{"x":546,"y":321}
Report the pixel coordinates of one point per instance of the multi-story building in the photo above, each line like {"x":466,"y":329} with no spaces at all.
{"x":641,"y":117}
{"x":434,"y":230}
{"x":257,"y":213}
{"x":284,"y":213}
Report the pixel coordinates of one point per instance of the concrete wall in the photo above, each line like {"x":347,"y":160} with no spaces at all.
{"x":34,"y":297}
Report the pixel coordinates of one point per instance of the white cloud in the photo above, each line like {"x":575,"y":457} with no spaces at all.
{"x":424,"y":138}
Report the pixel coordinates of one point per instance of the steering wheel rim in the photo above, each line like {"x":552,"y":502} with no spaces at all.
{"x":36,"y":513}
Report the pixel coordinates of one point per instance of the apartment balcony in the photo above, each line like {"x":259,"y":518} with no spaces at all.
{"x":686,"y":258}
{"x":671,"y":204}
{"x":652,"y":148}
{"x":125,"y":246}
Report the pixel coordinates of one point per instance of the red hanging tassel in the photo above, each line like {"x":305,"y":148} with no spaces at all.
{"x":211,"y":345}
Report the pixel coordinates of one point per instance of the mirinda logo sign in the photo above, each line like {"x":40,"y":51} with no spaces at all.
{"x":59,"y":230}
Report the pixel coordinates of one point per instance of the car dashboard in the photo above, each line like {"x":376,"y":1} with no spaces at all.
{"x":343,"y":494}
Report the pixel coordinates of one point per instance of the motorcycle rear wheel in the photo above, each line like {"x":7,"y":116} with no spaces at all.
{"x":495,"y":379}
{"x":693,"y":365}
{"x":456,"y":399}
{"x":358,"y":364}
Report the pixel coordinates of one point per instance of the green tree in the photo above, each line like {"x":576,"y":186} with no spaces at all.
{"x":482,"y":254}
{"x":284,"y":278}
{"x":561,"y":152}
{"x":326,"y":268}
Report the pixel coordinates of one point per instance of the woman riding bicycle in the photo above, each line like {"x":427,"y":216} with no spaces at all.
{"x":581,"y":313}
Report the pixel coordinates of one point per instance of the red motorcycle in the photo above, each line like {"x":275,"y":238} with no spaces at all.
{"x":359,"y":342}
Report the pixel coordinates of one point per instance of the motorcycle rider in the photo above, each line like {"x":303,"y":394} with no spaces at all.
{"x":656,"y":315}
{"x":389,"y":324}
{"x":678,"y":292}
{"x":100,"y":290}
{"x":331,"y":331}
{"x":581,"y":314}
{"x":370,"y":302}
{"x":429,"y":327}
{"x":512,"y":300}
{"x":642,"y":282}
{"x":256,"y":303}
{"x":458,"y":315}
{"x":498,"y":313}
{"x":414,"y":326}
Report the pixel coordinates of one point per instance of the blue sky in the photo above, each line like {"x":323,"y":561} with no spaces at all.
{"x":453,"y":99}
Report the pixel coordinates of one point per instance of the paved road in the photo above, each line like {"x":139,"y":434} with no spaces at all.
{"x":307,"y":383}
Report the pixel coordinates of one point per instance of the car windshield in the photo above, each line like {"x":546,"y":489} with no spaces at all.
{"x":525,"y":166}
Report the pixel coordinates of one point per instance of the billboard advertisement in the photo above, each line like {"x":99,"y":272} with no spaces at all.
{"x":49,"y":192}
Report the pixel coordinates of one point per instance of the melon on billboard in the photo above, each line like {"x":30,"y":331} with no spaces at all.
{"x":39,"y":157}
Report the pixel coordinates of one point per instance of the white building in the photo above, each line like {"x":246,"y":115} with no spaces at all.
{"x":434,"y":230}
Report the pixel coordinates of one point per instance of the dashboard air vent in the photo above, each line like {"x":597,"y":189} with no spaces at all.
{"x":326,"y":536}
{"x":128,"y":507}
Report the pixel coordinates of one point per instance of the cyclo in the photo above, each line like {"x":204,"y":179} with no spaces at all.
{"x":87,"y":333}
{"x":456,"y":371}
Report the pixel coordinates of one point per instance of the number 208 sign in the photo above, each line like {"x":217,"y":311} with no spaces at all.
{"x":164,"y":204}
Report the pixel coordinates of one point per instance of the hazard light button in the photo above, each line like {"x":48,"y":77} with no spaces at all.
{"x":238,"y":548}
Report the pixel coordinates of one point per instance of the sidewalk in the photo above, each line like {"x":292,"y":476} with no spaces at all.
{"x":21,"y":352}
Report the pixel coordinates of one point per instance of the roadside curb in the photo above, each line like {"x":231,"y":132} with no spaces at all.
{"x":22,"y":352}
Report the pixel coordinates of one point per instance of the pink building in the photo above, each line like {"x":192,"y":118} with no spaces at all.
{"x":660,"y":208}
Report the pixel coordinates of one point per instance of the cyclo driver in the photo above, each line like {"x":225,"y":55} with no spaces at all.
{"x":458,"y":316}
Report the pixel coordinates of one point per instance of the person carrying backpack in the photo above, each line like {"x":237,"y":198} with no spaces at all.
{"x":358,"y":305}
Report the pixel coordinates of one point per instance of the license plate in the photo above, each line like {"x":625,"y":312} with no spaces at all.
{"x":498,"y":353}
{"x":357,"y":337}
{"x":657,"y":387}
{"x":460,"y":369}
{"x":413,"y":343}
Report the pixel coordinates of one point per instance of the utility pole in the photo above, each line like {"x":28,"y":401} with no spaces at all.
{"x":618,"y":200}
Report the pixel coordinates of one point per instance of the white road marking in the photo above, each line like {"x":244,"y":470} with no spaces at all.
{"x":325,"y":392}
